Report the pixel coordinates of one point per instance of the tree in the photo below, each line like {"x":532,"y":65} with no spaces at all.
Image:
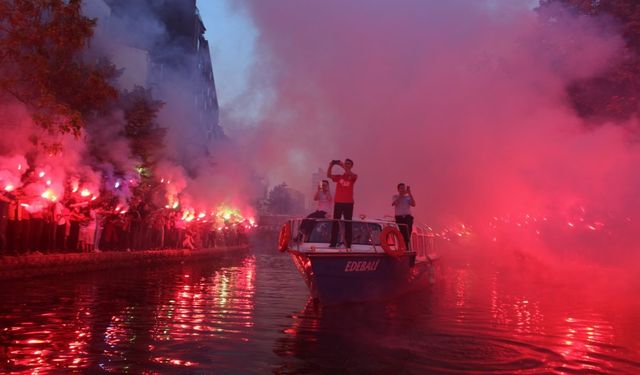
{"x":279,"y":201}
{"x":142,"y":130}
{"x":614,"y":94}
{"x":41,"y":45}
{"x":145,"y":135}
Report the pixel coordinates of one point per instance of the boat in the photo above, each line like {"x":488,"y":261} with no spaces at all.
{"x":377,"y":266}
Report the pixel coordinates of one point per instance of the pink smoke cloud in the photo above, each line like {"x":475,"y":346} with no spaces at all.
{"x":463,"y":100}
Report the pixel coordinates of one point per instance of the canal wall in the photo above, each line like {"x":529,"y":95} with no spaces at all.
{"x":27,"y":266}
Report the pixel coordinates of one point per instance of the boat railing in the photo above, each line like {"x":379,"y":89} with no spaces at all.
{"x":363,"y":233}
{"x":422,"y":241}
{"x":319,"y":230}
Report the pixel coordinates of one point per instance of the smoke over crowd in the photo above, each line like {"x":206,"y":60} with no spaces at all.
{"x":199,"y":169}
{"x":463,"y":100}
{"x":186,"y":176}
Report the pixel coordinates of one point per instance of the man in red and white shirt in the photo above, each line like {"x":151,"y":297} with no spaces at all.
{"x":343,"y":199}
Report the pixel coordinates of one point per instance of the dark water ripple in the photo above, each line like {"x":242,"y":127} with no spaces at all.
{"x":250,"y":313}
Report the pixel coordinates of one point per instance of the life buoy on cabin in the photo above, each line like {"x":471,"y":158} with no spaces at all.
{"x":283,"y":238}
{"x":392,"y":241}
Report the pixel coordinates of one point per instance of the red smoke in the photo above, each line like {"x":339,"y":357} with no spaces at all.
{"x":463,"y":100}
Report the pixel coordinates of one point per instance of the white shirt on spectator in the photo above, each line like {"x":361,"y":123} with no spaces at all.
{"x":403,"y":206}
{"x":325,"y":201}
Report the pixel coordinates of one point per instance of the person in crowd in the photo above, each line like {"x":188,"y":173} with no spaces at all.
{"x":402,"y":202}
{"x":61,"y":220}
{"x":47,"y":240}
{"x":24,"y":222}
{"x":169,"y":229}
{"x":13,"y":226}
{"x":91,"y":228}
{"x":157,"y":229}
{"x":343,"y":200}
{"x":110,"y":236}
{"x":75,"y":217}
{"x":4,"y":218}
{"x":324,"y":201}
{"x":126,"y":235}
{"x":135,"y":219}
{"x":101,"y":215}
{"x":213,"y":232}
{"x":36,"y":231}
{"x":242,"y":236}
{"x":82,"y":216}
{"x":180,"y":227}
{"x":189,"y":239}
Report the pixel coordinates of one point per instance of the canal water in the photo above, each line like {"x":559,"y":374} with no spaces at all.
{"x":250,"y":313}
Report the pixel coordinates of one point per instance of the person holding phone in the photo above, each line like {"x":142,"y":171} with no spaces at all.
{"x":402,"y":202}
{"x":343,"y":199}
{"x":324,"y":199}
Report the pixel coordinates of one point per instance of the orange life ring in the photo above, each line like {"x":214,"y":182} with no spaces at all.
{"x":392,"y":241}
{"x":283,"y":238}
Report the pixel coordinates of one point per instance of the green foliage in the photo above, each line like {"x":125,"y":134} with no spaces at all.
{"x":41,"y":66}
{"x":612,"y":95}
{"x":145,"y":135}
{"x":279,"y":201}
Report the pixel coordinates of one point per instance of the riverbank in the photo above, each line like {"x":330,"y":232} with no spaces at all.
{"x":27,"y":266}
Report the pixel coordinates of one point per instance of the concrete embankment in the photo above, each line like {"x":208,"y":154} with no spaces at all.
{"x":14,"y":267}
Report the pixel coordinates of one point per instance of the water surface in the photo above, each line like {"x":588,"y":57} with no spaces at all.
{"x":250,"y":313}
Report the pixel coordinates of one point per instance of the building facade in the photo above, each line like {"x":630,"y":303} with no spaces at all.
{"x":153,"y":40}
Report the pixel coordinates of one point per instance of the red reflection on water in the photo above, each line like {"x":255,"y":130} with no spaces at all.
{"x":461,"y":286}
{"x":176,"y":362}
{"x":117,"y":333}
{"x":41,"y":350}
{"x":59,"y":338}
{"x":584,"y":333}
{"x":196,"y":306}
{"x":583,"y":338}
{"x":518,"y":311}
{"x":218,"y":306}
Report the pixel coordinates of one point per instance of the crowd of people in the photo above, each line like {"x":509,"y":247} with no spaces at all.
{"x":97,"y":225}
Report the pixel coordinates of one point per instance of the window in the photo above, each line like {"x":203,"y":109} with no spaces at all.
{"x":362,"y":233}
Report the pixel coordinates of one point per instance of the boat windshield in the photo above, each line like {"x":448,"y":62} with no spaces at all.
{"x":363,"y":233}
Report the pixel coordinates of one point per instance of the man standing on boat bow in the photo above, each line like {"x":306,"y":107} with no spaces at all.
{"x":403,"y":201}
{"x":343,"y":199}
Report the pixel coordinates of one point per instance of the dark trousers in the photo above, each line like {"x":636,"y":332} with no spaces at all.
{"x":74,"y":235}
{"x":13,"y":237}
{"x":37,"y":228}
{"x":61,"y":237}
{"x":49,"y":236}
{"x":339,"y":210}
{"x":405,"y":222}
{"x":4,"y":246}
{"x":25,"y":233}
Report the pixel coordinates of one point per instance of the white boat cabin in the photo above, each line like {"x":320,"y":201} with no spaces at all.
{"x":367,"y":236}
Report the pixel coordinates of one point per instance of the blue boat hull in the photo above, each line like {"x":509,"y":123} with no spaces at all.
{"x":357,"y":277}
